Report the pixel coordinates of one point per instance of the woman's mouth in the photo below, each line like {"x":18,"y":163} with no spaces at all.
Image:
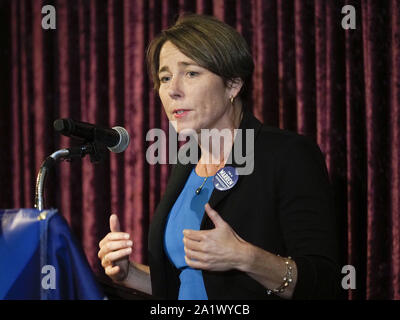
{"x":180,"y":113}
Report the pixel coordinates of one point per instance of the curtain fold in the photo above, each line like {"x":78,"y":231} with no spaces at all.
{"x":376,"y":31}
{"x":355,"y":156}
{"x":339,"y":87}
{"x":394,"y":148}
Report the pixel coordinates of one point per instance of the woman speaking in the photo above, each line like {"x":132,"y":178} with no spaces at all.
{"x":217,"y":234}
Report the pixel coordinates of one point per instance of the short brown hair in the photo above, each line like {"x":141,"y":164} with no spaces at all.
{"x":211,"y":43}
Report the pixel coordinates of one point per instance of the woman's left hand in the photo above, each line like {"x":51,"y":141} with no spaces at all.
{"x":218,"y":249}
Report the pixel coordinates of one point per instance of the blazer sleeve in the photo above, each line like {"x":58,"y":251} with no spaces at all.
{"x":307,"y":217}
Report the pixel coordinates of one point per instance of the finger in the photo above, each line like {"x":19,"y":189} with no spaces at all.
{"x":111,"y":257}
{"x":111,"y":271}
{"x":196,"y":255}
{"x":112,"y":236}
{"x":114,"y":223}
{"x":106,"y":263}
{"x":114,"y":246}
{"x":196,"y":235}
{"x":196,"y":264}
{"x":214,"y":216}
{"x":193,"y":245}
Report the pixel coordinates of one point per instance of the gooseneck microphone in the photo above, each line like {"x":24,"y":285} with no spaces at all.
{"x":94,"y":137}
{"x":115,"y":139}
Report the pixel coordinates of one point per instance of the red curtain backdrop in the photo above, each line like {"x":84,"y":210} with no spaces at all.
{"x":339,"y":87}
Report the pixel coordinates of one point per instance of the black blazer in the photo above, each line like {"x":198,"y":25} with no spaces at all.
{"x":285,"y":207}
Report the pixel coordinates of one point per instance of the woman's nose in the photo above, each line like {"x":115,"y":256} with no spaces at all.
{"x":175,"y":88}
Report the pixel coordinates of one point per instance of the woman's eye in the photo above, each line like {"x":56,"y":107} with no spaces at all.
{"x":164,"y":79}
{"x":192,"y":74}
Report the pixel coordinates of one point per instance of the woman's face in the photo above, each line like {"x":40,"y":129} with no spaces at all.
{"x":193,"y":97}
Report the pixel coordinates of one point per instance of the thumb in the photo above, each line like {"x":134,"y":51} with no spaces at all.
{"x":214,"y":216}
{"x":114,"y":223}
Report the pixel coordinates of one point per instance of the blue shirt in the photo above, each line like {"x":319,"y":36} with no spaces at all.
{"x":187,"y":213}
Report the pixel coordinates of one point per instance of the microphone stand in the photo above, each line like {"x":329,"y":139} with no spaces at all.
{"x":88,"y":148}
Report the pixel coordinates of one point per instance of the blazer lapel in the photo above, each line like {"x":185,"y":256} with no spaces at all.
{"x":248,"y":122}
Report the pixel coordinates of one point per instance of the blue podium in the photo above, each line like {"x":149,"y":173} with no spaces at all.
{"x":40,"y":258}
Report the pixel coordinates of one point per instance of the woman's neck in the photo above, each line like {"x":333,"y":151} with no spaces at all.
{"x":217,"y":144}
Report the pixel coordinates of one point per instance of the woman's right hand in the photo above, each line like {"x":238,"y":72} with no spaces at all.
{"x":114,"y":252}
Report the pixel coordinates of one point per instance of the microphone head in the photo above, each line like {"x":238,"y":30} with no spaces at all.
{"x":124,"y":140}
{"x":63,"y":126}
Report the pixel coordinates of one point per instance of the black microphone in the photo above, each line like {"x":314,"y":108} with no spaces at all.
{"x":115,"y":139}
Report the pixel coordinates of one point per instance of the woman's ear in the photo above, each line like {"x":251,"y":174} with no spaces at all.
{"x":234,"y":85}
